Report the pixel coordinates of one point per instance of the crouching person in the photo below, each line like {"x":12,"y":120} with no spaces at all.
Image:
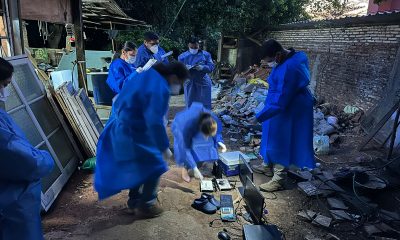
{"x":197,"y":136}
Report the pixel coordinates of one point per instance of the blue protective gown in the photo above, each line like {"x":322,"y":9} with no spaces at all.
{"x":119,"y":72}
{"x":190,"y":146}
{"x":198,"y":88}
{"x":21,"y":167}
{"x":287,"y":118}
{"x":129,"y":151}
{"x":144,"y":55}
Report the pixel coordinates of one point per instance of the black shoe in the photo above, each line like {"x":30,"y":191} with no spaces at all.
{"x":211,"y":199}
{"x":203,"y":205}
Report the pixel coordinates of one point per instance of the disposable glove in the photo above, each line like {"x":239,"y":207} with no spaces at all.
{"x":167,"y":154}
{"x":222,"y":146}
{"x":197,"y":174}
{"x":253,"y":120}
{"x":199,"y":67}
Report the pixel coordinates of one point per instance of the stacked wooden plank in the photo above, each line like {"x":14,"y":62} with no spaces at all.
{"x":81,"y":116}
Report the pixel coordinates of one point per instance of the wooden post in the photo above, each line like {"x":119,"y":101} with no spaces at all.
{"x":15,"y":32}
{"x":76,"y":8}
{"x":112,"y":38}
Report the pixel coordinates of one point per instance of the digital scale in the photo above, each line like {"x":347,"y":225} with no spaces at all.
{"x":227,"y":210}
{"x":206,"y":186}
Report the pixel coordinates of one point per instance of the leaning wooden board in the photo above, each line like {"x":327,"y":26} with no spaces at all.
{"x":71,"y":119}
{"x":78,"y":116}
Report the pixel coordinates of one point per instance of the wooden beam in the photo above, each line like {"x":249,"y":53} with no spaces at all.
{"x":76,"y":7}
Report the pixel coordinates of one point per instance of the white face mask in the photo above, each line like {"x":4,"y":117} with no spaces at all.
{"x":193,"y":51}
{"x":272,"y":64}
{"x":154,"y":49}
{"x":131,"y":59}
{"x":175,"y":88}
{"x":4,"y":94}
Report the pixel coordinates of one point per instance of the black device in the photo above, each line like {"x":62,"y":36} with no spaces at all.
{"x":244,"y":172}
{"x":217,"y":170}
{"x":255,"y":206}
{"x":227,"y":210}
{"x":224,"y":236}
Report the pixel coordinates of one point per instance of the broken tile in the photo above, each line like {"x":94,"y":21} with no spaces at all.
{"x":321,"y":220}
{"x":311,"y":237}
{"x":336,"y":203}
{"x":340,"y":215}
{"x":389,"y":216}
{"x":330,"y":236}
{"x":307,"y":215}
{"x":308,"y":188}
{"x":300,"y":175}
{"x":377,"y":229}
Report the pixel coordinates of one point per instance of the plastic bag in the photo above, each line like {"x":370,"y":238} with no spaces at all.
{"x":89,"y":164}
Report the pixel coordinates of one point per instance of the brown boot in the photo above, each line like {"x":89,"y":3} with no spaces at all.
{"x":149,"y":212}
{"x":277,"y":181}
{"x":271,"y":186}
{"x":263,"y":169}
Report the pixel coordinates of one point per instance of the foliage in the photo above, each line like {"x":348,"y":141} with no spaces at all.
{"x":207,"y":19}
{"x":323,"y":9}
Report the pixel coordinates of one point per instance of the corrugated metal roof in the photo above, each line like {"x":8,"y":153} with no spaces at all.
{"x":104,"y":12}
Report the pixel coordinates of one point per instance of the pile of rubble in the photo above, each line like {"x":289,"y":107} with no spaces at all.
{"x":238,"y":102}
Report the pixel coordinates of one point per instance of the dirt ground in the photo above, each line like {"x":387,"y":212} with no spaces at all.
{"x":77,"y":213}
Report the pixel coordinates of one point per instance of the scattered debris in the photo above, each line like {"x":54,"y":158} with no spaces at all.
{"x":307,"y":215}
{"x":321,"y":220}
{"x":340,"y":215}
{"x":336,"y":203}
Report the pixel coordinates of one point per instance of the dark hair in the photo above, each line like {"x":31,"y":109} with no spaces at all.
{"x":6,"y":69}
{"x":127,"y":46}
{"x":270,"y":48}
{"x":207,"y":124}
{"x":193,"y":40}
{"x":174,"y":68}
{"x":148,"y":36}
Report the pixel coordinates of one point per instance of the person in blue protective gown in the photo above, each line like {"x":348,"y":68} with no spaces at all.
{"x":133,"y":147}
{"x":287,"y":118}
{"x":150,"y":49}
{"x":200,"y":64}
{"x":21,"y":167}
{"x":122,"y":67}
{"x":197,"y":135}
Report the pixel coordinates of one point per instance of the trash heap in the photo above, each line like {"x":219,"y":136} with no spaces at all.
{"x":237,"y":104}
{"x":329,"y":121}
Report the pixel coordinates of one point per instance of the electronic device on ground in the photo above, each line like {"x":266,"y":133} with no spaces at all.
{"x":223,"y":184}
{"x":206,"y":186}
{"x":227,"y":210}
{"x":255,"y":206}
{"x":244,"y":172}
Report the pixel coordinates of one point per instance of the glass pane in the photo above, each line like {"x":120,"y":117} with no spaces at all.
{"x":5,"y":50}
{"x":27,"y":82}
{"x":45,"y":115}
{"x":21,"y":117}
{"x":62,"y":146}
{"x":52,"y":177}
{"x":13,"y":100}
{"x":3,"y":29}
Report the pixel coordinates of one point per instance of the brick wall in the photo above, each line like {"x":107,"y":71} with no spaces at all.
{"x":351,"y":64}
